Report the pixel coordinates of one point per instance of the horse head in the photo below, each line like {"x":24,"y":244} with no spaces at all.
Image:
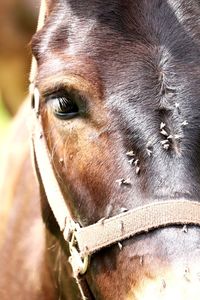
{"x":118,"y":84}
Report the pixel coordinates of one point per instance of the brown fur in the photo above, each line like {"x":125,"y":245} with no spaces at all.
{"x":130,"y":63}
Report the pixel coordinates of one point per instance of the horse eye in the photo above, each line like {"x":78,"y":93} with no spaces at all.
{"x":63,"y":105}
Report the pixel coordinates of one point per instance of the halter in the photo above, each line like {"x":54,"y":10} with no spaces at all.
{"x":85,"y":241}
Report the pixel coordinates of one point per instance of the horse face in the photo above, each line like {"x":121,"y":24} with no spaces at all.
{"x":119,"y":84}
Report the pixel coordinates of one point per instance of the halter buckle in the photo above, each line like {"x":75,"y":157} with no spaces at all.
{"x":78,"y":262}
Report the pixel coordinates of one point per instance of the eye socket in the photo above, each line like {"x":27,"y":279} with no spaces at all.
{"x":63,"y":104}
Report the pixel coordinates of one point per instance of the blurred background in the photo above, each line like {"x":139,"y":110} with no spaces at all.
{"x":18,"y":20}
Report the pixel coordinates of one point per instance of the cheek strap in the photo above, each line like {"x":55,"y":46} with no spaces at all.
{"x":46,"y":177}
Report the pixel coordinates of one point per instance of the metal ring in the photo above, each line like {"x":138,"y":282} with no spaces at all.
{"x":79,"y":264}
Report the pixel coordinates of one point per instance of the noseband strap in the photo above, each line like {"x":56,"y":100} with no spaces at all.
{"x":139,"y":220}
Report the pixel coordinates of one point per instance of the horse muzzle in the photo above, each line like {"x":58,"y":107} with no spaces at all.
{"x":170,"y":268}
{"x":177,"y":284}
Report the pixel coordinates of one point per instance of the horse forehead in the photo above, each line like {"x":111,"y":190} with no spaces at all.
{"x":69,"y":23}
{"x":96,"y":39}
{"x":80,"y":25}
{"x":79,"y":41}
{"x":85,"y":8}
{"x":87,"y":27}
{"x":101,"y":39}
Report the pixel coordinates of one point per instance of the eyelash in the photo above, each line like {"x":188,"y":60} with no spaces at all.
{"x":65,"y":105}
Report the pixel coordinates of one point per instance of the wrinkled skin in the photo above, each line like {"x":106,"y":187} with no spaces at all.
{"x":134,"y":67}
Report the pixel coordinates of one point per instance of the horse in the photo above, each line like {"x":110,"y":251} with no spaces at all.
{"x":116,"y":96}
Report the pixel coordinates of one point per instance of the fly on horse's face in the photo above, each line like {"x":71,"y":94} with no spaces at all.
{"x":120,"y":89}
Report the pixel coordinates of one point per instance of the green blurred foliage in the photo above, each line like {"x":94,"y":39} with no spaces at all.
{"x":4,"y":125}
{"x":4,"y":119}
